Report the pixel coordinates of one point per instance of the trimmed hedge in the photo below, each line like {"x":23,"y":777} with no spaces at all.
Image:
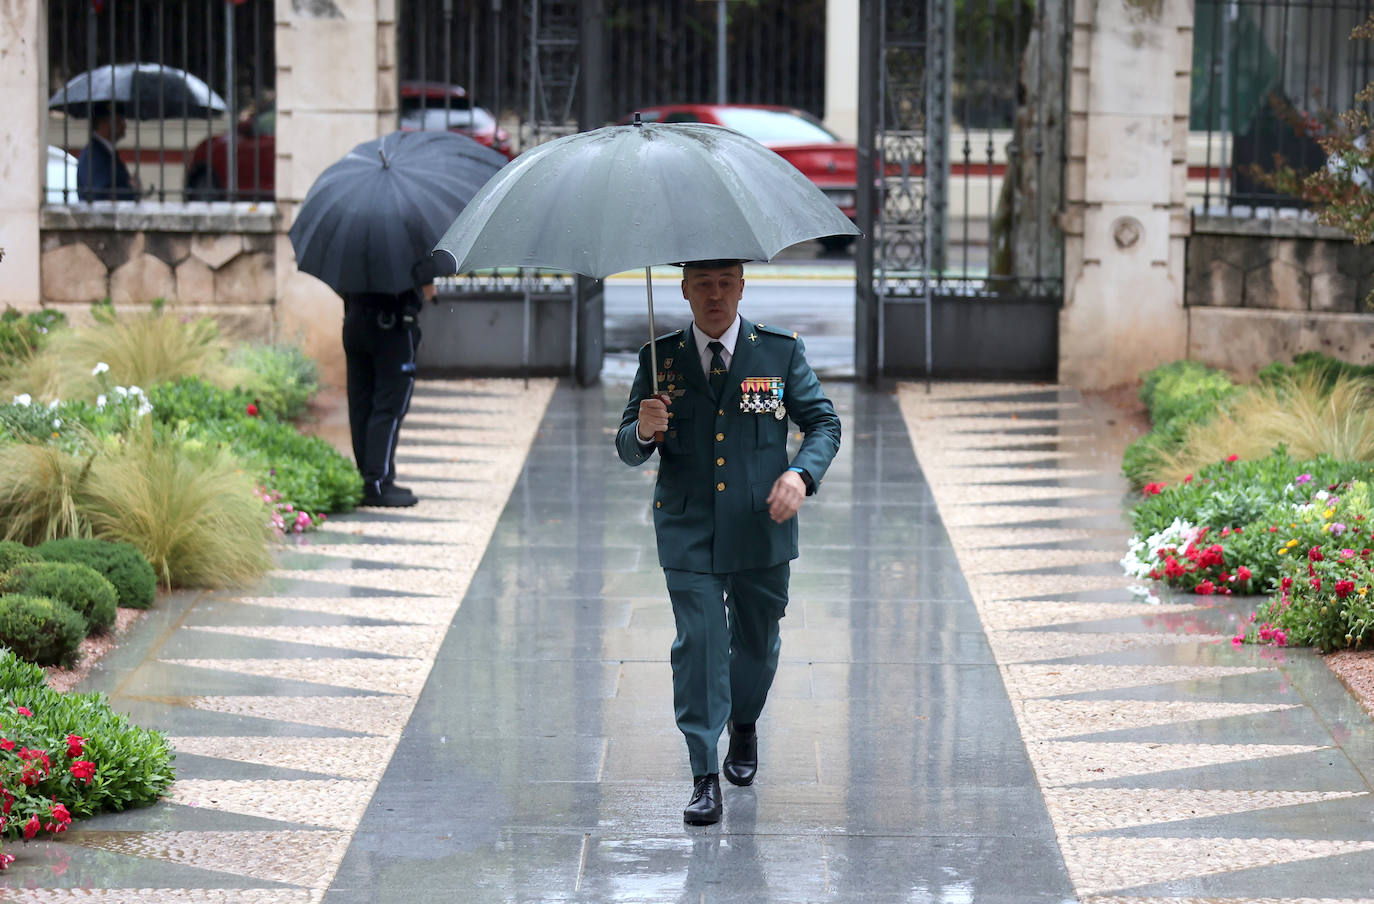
{"x":79,"y":586}
{"x":120,"y":563}
{"x":40,"y":629}
{"x":12,"y":554}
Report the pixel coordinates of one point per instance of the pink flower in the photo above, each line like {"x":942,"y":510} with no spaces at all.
{"x":1243,"y":573}
{"x":1238,"y":640}
{"x":1233,"y":458}
{"x":1153,"y":489}
{"x":5,"y":861}
{"x":1188,"y":479}
{"x":23,"y":711}
{"x":1281,"y":638}
{"x":1302,"y":479}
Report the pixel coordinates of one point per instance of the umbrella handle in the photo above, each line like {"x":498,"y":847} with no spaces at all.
{"x":653,"y":349}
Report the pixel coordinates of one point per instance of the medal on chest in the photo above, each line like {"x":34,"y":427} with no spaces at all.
{"x":762,"y":395}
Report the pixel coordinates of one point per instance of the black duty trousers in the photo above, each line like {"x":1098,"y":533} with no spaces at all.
{"x":379,"y":346}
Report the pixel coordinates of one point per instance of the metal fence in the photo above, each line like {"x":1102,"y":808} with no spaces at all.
{"x":169,"y":100}
{"x":517,"y":59}
{"x":1265,"y":74}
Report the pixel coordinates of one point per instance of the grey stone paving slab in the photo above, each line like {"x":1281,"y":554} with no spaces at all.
{"x":892,"y":765}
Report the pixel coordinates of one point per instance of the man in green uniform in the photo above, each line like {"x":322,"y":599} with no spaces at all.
{"x":725,"y":508}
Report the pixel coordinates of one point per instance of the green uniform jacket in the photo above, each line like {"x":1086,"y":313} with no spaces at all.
{"x":718,"y":461}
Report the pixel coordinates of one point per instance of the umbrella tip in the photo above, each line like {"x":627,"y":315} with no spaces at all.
{"x":381,"y":152}
{"x":638,"y":122}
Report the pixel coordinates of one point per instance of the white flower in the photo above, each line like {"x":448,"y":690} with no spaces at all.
{"x":145,"y":408}
{"x":99,"y":369}
{"x":121,"y":391}
{"x":57,"y":423}
{"x":23,"y":399}
{"x":135,"y":391}
{"x":1323,"y":495}
{"x":54,"y":403}
{"x":99,"y":402}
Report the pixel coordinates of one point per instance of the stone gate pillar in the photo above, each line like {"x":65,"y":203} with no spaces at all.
{"x":23,"y":56}
{"x":1126,"y":216}
{"x":336,"y":87}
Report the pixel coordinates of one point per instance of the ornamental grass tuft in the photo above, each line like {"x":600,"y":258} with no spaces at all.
{"x":1301,"y":413}
{"x":40,"y":487}
{"x":192,"y":511}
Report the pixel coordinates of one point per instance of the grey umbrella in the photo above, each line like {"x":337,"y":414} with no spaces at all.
{"x":371,"y":216}
{"x":138,"y":91}
{"x":625,"y":197}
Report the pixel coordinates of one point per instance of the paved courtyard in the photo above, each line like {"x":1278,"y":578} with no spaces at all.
{"x":470,"y":700}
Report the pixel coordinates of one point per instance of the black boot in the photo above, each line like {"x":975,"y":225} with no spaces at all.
{"x":704,"y":808}
{"x":389,"y":497}
{"x":742,"y":760}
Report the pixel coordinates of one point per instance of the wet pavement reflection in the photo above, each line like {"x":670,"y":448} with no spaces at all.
{"x":542,"y":763}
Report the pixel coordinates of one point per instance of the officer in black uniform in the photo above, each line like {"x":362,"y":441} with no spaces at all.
{"x":381,"y":333}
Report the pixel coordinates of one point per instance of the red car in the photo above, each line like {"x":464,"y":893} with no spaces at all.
{"x":424,"y":106}
{"x":794,"y":134}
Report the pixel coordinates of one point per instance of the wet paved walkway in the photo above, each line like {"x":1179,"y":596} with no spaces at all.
{"x":972,"y":705}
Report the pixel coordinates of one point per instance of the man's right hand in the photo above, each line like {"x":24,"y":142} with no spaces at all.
{"x":653,"y":418}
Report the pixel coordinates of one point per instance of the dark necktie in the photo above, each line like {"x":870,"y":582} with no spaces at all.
{"x":717,"y":375}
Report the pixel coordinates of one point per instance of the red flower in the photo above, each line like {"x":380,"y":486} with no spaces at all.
{"x":1286,"y":584}
{"x":1316,"y":583}
{"x":1232,"y":457}
{"x":1153,"y":489}
{"x":60,"y":819}
{"x":1344,"y":589}
{"x":23,"y":711}
{"x":6,"y":744}
{"x":83,"y":771}
{"x":1188,"y":479}
{"x":1243,"y":573}
{"x":5,"y":861}
{"x":32,"y":826}
{"x":1206,"y":588}
{"x":252,"y":410}
{"x":75,"y":745}
{"x":1172,"y":568}
{"x":1274,"y":529}
{"x":1315,"y":554}
{"x":8,"y":803}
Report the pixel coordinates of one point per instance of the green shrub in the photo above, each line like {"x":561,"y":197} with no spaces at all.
{"x":1177,"y":395}
{"x":282,"y":378}
{"x":79,"y":586}
{"x":121,"y":564}
{"x":12,"y":554}
{"x":22,"y":333}
{"x":41,"y":629}
{"x":132,"y":765}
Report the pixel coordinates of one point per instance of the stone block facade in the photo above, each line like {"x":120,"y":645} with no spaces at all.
{"x":221,"y":263}
{"x":1265,"y":290}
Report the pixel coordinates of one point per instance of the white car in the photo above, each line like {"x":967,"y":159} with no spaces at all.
{"x":60,"y":182}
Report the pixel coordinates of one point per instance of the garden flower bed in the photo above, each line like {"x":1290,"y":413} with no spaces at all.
{"x":1297,"y":529}
{"x":151,"y":430}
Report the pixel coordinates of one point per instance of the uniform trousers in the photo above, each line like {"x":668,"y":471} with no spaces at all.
{"x":379,"y":347}
{"x":726,"y":651}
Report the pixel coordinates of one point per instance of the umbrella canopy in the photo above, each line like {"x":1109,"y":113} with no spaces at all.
{"x":623,"y":197}
{"x":138,"y":91}
{"x":370,"y":217}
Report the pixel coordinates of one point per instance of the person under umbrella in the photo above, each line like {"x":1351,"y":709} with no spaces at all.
{"x":366,"y":228}
{"x":100,"y":174}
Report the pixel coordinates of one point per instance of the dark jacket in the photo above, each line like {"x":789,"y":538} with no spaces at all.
{"x":719,"y":460}
{"x":102,"y":176}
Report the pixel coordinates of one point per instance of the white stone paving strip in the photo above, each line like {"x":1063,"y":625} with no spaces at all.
{"x":985,"y":522}
{"x":476,"y":435}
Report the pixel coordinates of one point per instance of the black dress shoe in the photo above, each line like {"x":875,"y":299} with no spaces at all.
{"x":742,"y":760}
{"x":389,"y":497}
{"x":704,"y":808}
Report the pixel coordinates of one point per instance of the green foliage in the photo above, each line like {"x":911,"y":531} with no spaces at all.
{"x":1177,"y":395}
{"x":191,"y":510}
{"x":12,"y":554}
{"x":23,"y":333}
{"x":41,"y":629}
{"x":121,"y":563}
{"x":305,"y":471}
{"x":39,"y":486}
{"x":281,"y":378}
{"x":79,"y":586}
{"x":1326,"y":370}
{"x":132,"y":765}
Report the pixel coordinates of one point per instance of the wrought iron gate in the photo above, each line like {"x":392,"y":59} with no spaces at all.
{"x":961,"y":162}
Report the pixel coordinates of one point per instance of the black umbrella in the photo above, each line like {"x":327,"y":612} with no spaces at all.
{"x":138,"y":91}
{"x":369,"y":218}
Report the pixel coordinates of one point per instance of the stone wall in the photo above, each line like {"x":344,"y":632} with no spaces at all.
{"x":1266,"y":290}
{"x":221,"y":263}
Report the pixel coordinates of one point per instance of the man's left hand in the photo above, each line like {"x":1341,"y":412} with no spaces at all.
{"x":786,"y":497}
